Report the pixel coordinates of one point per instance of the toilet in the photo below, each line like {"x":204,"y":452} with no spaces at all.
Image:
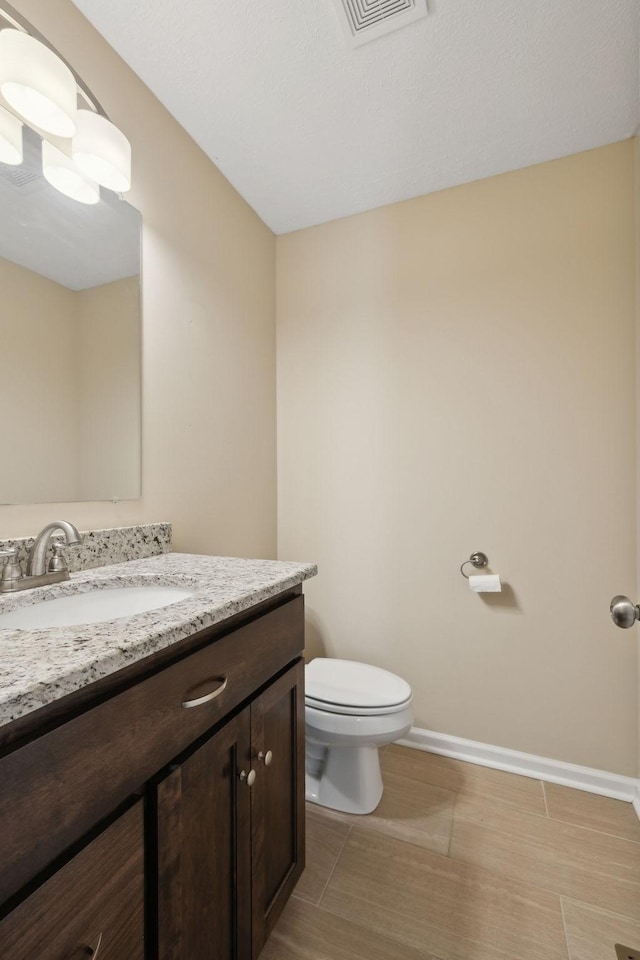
{"x":351,"y":709}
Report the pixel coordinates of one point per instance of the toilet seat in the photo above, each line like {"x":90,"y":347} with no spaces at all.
{"x":354,"y":689}
{"x":346,"y":711}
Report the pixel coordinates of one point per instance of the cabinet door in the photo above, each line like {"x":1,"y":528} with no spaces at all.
{"x":91,"y":906}
{"x":204,"y":848}
{"x":277,"y":798}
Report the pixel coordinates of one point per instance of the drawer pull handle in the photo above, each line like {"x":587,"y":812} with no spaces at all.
{"x":93,"y":951}
{"x":208,"y":697}
{"x":249,"y":777}
{"x":266,"y":757}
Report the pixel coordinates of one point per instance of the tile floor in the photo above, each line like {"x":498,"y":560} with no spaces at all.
{"x":461,"y":862}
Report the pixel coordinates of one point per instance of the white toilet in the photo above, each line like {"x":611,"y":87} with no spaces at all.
{"x":351,"y":709}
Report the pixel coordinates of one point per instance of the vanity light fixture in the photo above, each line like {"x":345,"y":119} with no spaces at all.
{"x":37,"y":85}
{"x":63,"y":174}
{"x":102,"y":152}
{"x":10,"y":138}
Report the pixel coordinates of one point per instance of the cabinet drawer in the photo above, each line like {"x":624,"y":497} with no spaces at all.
{"x":55,"y":788}
{"x":95,"y":898}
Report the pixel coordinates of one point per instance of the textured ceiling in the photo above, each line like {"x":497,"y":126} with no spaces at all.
{"x":308,"y":128}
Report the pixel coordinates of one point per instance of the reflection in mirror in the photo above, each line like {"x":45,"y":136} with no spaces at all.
{"x":70,"y":361}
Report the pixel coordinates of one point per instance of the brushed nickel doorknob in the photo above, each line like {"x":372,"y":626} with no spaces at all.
{"x":624,"y":613}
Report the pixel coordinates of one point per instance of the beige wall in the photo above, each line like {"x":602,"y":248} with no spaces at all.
{"x":109,"y":359}
{"x":456,"y":373}
{"x":38,"y":387}
{"x":208,"y":278}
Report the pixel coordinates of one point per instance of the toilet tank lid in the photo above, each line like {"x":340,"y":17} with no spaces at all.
{"x":353,"y":684}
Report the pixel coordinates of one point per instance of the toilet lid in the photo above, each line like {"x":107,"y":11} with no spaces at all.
{"x":350,"y":684}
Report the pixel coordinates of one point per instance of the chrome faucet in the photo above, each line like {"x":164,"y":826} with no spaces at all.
{"x":12,"y":578}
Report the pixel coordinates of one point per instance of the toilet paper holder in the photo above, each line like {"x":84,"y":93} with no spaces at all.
{"x":477,"y":559}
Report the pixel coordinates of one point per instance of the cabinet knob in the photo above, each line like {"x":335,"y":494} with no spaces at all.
{"x":266,"y":757}
{"x":249,"y":777}
{"x":93,"y":951}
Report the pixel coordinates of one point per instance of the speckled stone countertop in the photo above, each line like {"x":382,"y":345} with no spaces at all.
{"x":38,"y":667}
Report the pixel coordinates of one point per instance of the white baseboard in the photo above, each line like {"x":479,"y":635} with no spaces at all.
{"x":527,"y":765}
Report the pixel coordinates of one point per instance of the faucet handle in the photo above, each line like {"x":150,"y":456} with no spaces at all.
{"x":58,"y":562}
{"x":11,"y":571}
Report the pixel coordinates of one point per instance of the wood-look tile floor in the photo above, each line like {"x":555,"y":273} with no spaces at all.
{"x":461,"y":862}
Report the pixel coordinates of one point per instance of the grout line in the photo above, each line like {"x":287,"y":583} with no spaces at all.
{"x":570,"y":823}
{"x":333,"y":869}
{"x":594,"y":906}
{"x":453,"y":813}
{"x":602,"y":833}
{"x":301,"y":899}
{"x":564,"y":926}
{"x":567,"y":823}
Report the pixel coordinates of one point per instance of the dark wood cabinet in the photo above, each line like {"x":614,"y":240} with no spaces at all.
{"x":213,"y":744}
{"x":277,"y":799}
{"x":203,"y":819}
{"x":92,"y":905}
{"x":229,"y":821}
{"x":78,"y":772}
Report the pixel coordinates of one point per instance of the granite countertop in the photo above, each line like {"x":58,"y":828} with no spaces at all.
{"x":40,"y":666}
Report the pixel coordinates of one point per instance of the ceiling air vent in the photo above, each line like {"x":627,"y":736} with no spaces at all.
{"x":18,"y":176}
{"x":365,"y":20}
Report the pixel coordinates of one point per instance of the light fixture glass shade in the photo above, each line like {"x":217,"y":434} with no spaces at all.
{"x":10,"y":138}
{"x":37,"y":84}
{"x":63,"y":174}
{"x":102,"y":151}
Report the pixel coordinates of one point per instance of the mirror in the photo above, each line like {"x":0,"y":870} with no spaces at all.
{"x":70,"y":341}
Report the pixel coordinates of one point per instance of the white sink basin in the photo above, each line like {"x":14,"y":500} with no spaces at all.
{"x":94,"y":606}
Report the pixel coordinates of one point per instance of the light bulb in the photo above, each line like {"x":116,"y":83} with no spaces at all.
{"x":61,"y":172}
{"x":102,"y":151}
{"x":37,"y":84}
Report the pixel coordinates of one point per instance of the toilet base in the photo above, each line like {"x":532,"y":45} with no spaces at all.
{"x":347,"y":779}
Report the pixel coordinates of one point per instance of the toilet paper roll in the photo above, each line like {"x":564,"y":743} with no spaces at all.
{"x":489,"y":583}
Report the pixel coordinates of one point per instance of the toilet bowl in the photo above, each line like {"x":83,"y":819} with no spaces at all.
{"x":351,"y":709}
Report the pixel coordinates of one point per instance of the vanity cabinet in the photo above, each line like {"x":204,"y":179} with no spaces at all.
{"x":230,"y":830}
{"x":205,"y":752}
